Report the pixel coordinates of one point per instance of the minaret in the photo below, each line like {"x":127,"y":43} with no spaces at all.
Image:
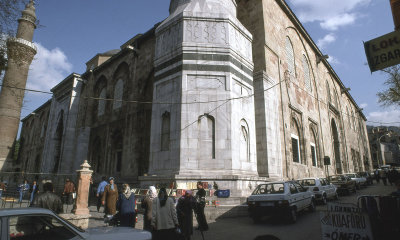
{"x":20,"y":52}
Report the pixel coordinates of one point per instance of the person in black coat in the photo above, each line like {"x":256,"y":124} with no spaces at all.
{"x":126,"y":207}
{"x":184,"y":210}
{"x":48,"y":199}
{"x":200,"y":205}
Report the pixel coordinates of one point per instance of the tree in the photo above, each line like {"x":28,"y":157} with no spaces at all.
{"x":10,"y":10}
{"x":391,"y":96}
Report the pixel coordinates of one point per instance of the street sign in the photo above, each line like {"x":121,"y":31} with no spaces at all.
{"x":344,"y":221}
{"x":345,"y":225}
{"x":384,"y":51}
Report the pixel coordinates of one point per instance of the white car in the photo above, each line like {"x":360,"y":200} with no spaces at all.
{"x":321,"y":187}
{"x":280,"y":198}
{"x":43,"y":224}
{"x":360,"y":181}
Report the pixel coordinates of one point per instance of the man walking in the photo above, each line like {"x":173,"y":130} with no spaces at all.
{"x":69,"y":189}
{"x":100,"y":192}
{"x":199,"y":209}
{"x":33,"y":190}
{"x":23,"y":188}
{"x":48,"y":199}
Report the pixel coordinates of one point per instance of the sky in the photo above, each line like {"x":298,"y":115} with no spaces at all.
{"x":72,"y":32}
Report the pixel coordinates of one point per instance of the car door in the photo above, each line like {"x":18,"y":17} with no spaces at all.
{"x":39,"y":227}
{"x":295,"y":199}
{"x":327,"y":188}
{"x":304,"y":195}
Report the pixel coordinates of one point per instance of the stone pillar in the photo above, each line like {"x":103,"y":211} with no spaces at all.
{"x":82,"y":199}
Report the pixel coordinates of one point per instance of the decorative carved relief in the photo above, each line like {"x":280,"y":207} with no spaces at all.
{"x":206,"y":82}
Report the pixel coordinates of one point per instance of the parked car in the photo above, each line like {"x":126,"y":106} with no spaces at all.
{"x":343,"y":183}
{"x":322,"y":188}
{"x":367,"y":176}
{"x":280,"y":198}
{"x":360,"y":181}
{"x":43,"y":224}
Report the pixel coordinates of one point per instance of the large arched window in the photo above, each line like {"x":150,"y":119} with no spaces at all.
{"x":207,"y":136}
{"x":295,"y":136}
{"x":336,"y":99}
{"x":314,"y":147}
{"x":290,"y":56}
{"x":118,"y":93}
{"x":101,"y":107}
{"x":307,"y":77}
{"x":165,"y":131}
{"x":244,"y":142}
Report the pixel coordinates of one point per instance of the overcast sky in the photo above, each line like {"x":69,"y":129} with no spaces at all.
{"x":74,"y":31}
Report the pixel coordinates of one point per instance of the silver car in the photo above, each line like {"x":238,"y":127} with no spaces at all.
{"x":321,"y":187}
{"x":43,"y":224}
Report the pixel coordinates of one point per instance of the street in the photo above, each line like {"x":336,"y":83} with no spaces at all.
{"x":307,"y":226}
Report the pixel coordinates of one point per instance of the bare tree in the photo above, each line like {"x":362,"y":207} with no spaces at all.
{"x":391,"y":96}
{"x":10,"y":11}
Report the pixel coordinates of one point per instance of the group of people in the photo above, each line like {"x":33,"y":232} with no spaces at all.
{"x":162,"y":215}
{"x":24,"y":188}
{"x":391,"y":175}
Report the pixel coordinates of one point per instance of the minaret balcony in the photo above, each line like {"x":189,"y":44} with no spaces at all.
{"x":23,"y":42}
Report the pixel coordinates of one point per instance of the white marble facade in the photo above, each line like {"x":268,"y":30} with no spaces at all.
{"x":204,"y":60}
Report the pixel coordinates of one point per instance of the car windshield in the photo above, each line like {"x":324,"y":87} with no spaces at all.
{"x":307,"y":182}
{"x":351,"y":175}
{"x":337,"y":178}
{"x":269,"y":188}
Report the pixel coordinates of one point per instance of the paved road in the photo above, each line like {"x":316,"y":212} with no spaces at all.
{"x":307,"y":226}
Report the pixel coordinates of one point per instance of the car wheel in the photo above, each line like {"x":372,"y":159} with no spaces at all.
{"x":312,"y":206}
{"x":324,"y":200}
{"x":292,"y":215}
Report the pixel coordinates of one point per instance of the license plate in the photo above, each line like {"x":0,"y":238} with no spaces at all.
{"x":266,"y":204}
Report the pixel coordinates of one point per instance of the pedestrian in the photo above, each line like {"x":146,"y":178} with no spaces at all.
{"x":110,"y":197}
{"x":23,"y":189}
{"x":100,"y":192}
{"x":164,"y":220}
{"x":126,"y":207}
{"x":69,"y":191}
{"x":184,"y":210}
{"x":199,"y":208}
{"x":34,"y":189}
{"x":376,"y":174}
{"x":48,"y":199}
{"x":147,"y":206}
{"x":383,"y":176}
{"x":2,"y":188}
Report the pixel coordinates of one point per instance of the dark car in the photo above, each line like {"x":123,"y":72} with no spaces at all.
{"x":343,"y":183}
{"x":368,"y":176}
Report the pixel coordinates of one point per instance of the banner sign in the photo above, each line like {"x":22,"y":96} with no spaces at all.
{"x":384,"y":51}
{"x":345,"y":221}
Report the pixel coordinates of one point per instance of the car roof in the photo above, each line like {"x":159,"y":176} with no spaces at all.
{"x":24,"y":211}
{"x":310,"y":178}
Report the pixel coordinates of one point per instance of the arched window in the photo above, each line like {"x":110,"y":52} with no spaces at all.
{"x":207,"y":136}
{"x":314,"y":147}
{"x":101,"y":107}
{"x":290,"y":56}
{"x":307,"y":77}
{"x":295,"y":136}
{"x":118,"y":93}
{"x":244,"y":142}
{"x":165,"y":131}
{"x":336,"y":99}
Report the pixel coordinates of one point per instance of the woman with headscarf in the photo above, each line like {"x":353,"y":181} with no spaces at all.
{"x":184,"y":210}
{"x":126,"y":207}
{"x":164,"y":219}
{"x":147,"y":206}
{"x":110,"y":196}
